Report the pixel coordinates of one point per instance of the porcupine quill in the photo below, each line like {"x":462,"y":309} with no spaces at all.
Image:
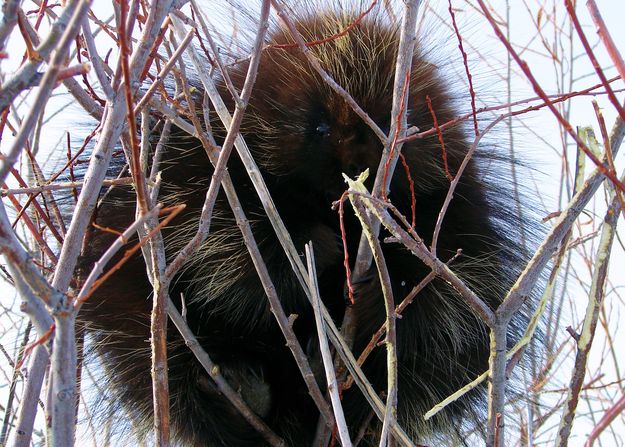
{"x":303,"y":136}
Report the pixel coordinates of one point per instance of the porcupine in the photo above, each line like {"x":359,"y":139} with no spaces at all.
{"x":303,"y":136}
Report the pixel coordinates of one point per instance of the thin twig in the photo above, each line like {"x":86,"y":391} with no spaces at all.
{"x":333,"y":387}
{"x":4,"y":192}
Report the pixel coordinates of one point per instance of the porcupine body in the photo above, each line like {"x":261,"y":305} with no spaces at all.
{"x":304,"y":136}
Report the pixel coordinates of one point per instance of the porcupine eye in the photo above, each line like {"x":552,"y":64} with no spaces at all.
{"x":322,"y":129}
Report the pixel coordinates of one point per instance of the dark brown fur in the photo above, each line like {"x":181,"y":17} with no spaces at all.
{"x":303,"y":136}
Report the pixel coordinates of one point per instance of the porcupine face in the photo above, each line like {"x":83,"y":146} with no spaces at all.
{"x":304,"y":131}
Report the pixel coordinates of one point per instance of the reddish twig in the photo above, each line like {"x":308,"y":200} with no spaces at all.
{"x":497,"y":428}
{"x":413,"y":196}
{"x":466,"y":67}
{"x":135,"y":166}
{"x":606,"y":38}
{"x":608,"y":148}
{"x":39,"y":342}
{"x":441,"y":140}
{"x":348,"y":270}
{"x":154,"y":50}
{"x":606,"y":420}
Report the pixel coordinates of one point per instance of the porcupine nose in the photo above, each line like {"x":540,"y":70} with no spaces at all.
{"x":354,"y":169}
{"x":353,"y":158}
